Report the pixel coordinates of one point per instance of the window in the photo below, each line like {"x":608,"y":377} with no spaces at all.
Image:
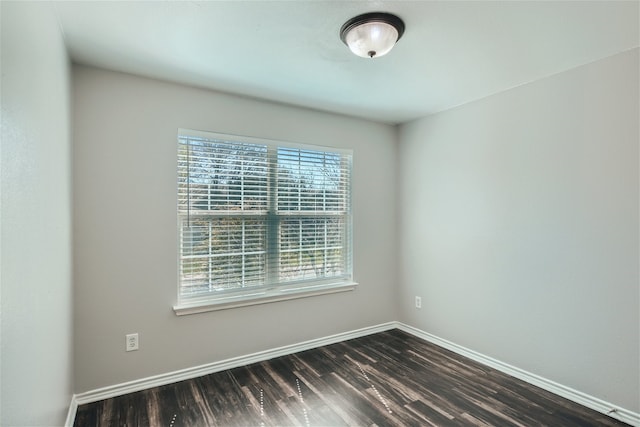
{"x":260,"y":220}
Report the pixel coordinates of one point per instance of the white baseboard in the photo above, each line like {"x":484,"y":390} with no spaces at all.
{"x":594,"y":403}
{"x":210,"y":368}
{"x":71,"y":415}
{"x":583,"y":399}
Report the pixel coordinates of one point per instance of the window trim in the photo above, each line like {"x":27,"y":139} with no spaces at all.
{"x":274,"y":292}
{"x":261,"y":296}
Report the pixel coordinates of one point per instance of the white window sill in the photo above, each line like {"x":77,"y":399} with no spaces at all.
{"x":262,"y":297}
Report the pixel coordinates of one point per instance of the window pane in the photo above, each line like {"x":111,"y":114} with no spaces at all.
{"x":221,"y":176}
{"x":222,"y":253}
{"x":311,"y":181}
{"x":312,"y":248}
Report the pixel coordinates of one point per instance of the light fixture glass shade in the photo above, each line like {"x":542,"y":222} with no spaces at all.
{"x":372,"y":39}
{"x":372,"y":35}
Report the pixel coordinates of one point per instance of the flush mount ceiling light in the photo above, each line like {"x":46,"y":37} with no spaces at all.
{"x":372,"y":35}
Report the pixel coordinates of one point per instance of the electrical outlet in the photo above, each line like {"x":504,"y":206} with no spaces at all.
{"x":131,"y":342}
{"x":418,"y":302}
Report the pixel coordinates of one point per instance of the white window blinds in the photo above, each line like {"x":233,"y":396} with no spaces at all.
{"x":257,"y":216}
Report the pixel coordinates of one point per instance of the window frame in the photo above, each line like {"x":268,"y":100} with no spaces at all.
{"x":268,"y":292}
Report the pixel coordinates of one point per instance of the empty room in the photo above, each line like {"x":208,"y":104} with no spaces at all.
{"x":320,"y":213}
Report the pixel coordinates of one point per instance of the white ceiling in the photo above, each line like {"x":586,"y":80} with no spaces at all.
{"x":452,"y":52}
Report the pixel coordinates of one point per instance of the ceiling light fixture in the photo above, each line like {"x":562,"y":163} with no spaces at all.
{"x":372,"y":35}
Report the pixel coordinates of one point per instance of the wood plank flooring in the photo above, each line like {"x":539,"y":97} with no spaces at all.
{"x":386,"y":379}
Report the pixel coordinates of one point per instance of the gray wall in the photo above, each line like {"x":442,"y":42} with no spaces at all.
{"x":125,"y":247}
{"x":518,"y":221}
{"x":519,"y":227}
{"x":35,"y":256}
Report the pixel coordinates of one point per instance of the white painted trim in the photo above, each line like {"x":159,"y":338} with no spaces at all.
{"x":261,"y":297}
{"x":209,"y":368}
{"x":594,"y":403}
{"x":576,"y":396}
{"x":71,"y":415}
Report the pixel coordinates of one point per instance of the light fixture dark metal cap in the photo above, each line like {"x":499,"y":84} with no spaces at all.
{"x":384,"y":17}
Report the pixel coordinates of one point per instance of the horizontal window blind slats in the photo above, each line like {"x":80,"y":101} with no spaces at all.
{"x":214,"y":256}
{"x":254,"y":214}
{"x":198,"y":214}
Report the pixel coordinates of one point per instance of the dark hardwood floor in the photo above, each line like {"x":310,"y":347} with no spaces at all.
{"x":386,"y":379}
